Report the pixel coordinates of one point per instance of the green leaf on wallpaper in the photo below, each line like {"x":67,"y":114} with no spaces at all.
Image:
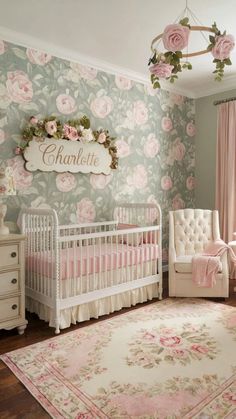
{"x":26,"y":107}
{"x":37,"y":77}
{"x":79,"y":190}
{"x":43,"y":102}
{"x":19,"y":53}
{"x":3,"y":121}
{"x":41,"y":183}
{"x":29,"y":191}
{"x":17,"y":138}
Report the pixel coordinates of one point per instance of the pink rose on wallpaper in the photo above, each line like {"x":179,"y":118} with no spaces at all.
{"x":123,"y":83}
{"x":100,"y":181}
{"x":39,"y":202}
{"x":177,"y":202}
{"x":139,"y":177}
{"x":175,"y":37}
{"x":178,"y":150}
{"x":190,"y":129}
{"x":65,"y":182}
{"x":177,"y":99}
{"x":140,"y":112}
{"x":2,"y":47}
{"x":38,"y":57}
{"x":170,"y":341}
{"x":123,"y":148}
{"x":161,"y":70}
{"x":199,"y":348}
{"x":87,"y":73}
{"x":19,"y":86}
{"x":23,"y":178}
{"x":151,"y":146}
{"x":101,"y":106}
{"x":166,"y":124}
{"x":223,"y":47}
{"x":86,"y":212}
{"x":2,"y":136}
{"x":190,"y":183}
{"x":166,"y":183}
{"x":66,"y":104}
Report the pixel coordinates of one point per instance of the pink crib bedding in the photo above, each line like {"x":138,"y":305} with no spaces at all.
{"x":91,"y":259}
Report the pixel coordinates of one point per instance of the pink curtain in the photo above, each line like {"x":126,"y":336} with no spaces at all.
{"x":226,"y":169}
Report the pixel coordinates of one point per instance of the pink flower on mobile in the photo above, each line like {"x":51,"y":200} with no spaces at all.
{"x":175,"y":37}
{"x":223,"y":47}
{"x":161,"y":70}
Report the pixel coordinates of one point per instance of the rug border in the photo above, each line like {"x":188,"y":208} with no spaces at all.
{"x":42,"y":400}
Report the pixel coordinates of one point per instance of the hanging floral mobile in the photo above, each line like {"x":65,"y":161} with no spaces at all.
{"x":175,"y":38}
{"x":72,"y":130}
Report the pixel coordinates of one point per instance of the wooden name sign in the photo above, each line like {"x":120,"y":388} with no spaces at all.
{"x":49,"y":155}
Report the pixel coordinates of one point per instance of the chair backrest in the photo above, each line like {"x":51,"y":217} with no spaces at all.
{"x":192,"y":229}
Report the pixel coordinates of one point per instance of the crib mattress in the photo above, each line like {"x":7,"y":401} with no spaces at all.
{"x":91,"y":259}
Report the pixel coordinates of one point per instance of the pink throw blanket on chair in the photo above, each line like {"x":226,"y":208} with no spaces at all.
{"x":206,"y":265}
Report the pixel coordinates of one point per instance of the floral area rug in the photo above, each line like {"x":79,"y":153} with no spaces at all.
{"x":171,"y":359}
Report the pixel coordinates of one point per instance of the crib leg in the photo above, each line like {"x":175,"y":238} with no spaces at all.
{"x":160,"y":294}
{"x":57,"y":330}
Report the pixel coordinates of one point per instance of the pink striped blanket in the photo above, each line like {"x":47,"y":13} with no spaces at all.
{"x":205,"y":266}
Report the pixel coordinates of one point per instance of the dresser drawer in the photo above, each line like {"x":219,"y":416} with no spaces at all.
{"x":9,"y":255}
{"x":9,"y":308}
{"x":9,"y":282}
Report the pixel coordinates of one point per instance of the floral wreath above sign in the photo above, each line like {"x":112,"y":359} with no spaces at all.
{"x":166,"y":65}
{"x":49,"y":145}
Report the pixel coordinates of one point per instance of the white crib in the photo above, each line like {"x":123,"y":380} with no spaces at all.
{"x":80,"y":271}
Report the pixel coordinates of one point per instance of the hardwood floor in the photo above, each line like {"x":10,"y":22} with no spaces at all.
{"x":15,"y":401}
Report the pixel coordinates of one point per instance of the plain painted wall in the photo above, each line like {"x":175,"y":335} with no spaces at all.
{"x":206,"y":123}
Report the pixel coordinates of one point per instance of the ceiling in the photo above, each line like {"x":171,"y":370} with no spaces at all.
{"x":115,"y":35}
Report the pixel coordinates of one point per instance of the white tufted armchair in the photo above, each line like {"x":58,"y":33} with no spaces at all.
{"x":190,"y":231}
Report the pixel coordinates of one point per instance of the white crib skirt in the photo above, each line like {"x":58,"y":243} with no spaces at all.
{"x":103,"y":305}
{"x":93,"y":309}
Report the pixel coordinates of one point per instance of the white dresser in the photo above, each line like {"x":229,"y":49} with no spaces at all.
{"x":12,"y":282}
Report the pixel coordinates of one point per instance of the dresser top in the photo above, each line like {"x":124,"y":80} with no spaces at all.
{"x":11,"y":237}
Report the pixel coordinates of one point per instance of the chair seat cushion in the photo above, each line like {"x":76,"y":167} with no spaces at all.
{"x":183,"y":264}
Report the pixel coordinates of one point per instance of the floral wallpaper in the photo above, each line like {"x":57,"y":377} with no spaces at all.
{"x":154,"y":133}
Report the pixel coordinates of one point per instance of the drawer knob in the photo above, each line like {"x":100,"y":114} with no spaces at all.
{"x":14,"y":306}
{"x":13,"y":254}
{"x":14,"y":281}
